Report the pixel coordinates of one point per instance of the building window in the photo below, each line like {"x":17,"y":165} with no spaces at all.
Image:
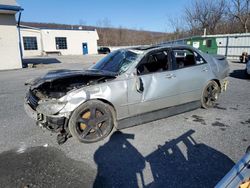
{"x":30,"y":43}
{"x":209,"y":43}
{"x":61,"y":43}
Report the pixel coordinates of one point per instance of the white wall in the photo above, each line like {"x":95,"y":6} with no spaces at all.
{"x":236,"y":45}
{"x":46,"y":41}
{"x":9,"y":46}
{"x":32,"y":33}
{"x":75,"y":38}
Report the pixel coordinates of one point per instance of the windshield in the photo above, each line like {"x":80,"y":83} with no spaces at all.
{"x":117,"y":61}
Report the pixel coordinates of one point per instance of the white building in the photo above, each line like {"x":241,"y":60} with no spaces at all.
{"x":9,"y":41}
{"x":38,"y":42}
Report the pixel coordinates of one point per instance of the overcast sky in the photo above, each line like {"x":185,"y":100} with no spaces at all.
{"x":140,"y":14}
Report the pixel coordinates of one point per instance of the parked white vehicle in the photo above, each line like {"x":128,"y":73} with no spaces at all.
{"x":248,"y":68}
{"x":239,"y":175}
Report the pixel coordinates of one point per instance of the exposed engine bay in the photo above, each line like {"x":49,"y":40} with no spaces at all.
{"x":59,"y":88}
{"x":55,"y":87}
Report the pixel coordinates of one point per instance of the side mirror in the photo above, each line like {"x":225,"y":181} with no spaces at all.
{"x":139,"y":85}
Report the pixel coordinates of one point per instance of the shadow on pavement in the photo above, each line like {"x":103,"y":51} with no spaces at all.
{"x":39,"y":61}
{"x":240,"y":74}
{"x":43,"y":167}
{"x":118,"y":162}
{"x":179,"y":163}
{"x":184,"y":163}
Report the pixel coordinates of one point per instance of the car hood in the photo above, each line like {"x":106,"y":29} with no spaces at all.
{"x":62,"y":74}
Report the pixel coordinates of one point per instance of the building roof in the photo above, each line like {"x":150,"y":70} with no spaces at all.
{"x":57,"y":26}
{"x":9,"y":7}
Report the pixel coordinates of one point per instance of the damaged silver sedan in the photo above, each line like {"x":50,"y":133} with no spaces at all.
{"x":127,"y":87}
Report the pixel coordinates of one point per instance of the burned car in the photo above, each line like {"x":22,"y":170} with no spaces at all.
{"x":127,"y":87}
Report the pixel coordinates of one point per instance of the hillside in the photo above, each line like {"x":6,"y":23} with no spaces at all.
{"x":113,"y":36}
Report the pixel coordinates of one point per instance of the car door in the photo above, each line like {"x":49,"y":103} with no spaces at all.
{"x":192,"y":72}
{"x":154,"y":86}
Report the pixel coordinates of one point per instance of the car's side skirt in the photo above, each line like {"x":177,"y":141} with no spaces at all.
{"x":155,"y":115}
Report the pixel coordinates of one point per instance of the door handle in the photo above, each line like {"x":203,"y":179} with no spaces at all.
{"x":170,"y":76}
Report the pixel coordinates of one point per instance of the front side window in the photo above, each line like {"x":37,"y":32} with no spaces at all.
{"x":61,"y":43}
{"x":155,"y":62}
{"x":30,"y":43}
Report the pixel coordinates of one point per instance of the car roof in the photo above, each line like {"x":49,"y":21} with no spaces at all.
{"x":148,"y":48}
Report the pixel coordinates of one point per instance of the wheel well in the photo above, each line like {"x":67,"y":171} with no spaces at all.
{"x":112,"y":108}
{"x":218,"y":82}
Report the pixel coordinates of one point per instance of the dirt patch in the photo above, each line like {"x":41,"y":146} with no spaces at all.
{"x":219,"y":124}
{"x":199,"y":119}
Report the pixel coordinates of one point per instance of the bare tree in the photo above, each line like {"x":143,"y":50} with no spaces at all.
{"x":178,"y":26}
{"x":240,"y":10}
{"x":103,"y":30}
{"x":205,"y":14}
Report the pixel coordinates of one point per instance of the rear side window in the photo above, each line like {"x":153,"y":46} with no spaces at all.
{"x":187,"y":58}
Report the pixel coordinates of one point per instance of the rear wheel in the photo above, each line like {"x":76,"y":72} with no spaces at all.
{"x":90,"y":122}
{"x":210,"y":95}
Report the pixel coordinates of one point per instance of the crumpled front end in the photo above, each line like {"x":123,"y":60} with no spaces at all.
{"x":51,"y":100}
{"x":46,"y":113}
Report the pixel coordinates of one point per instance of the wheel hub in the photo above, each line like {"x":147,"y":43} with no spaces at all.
{"x":92,"y":123}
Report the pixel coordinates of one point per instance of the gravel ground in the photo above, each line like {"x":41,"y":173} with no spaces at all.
{"x":193,"y":149}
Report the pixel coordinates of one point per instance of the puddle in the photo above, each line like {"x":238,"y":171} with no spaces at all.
{"x":219,"y":124}
{"x":199,"y":119}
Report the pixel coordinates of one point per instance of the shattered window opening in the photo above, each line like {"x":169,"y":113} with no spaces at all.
{"x":156,"y":62}
{"x":117,"y":61}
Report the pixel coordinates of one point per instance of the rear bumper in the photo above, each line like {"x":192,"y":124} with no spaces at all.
{"x":224,"y":85}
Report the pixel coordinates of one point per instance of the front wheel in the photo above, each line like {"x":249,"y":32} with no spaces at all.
{"x":90,"y":122}
{"x":210,"y":95}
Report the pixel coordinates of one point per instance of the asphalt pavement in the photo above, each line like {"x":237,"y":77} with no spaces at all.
{"x":193,"y":149}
